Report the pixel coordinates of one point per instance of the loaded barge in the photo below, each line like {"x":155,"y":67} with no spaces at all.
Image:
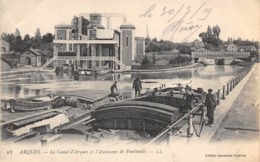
{"x":96,"y":116}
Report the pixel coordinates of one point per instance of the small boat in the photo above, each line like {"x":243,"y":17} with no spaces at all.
{"x":31,"y":103}
{"x":173,"y":87}
{"x":87,"y":99}
{"x":85,"y":71}
{"x":89,"y":74}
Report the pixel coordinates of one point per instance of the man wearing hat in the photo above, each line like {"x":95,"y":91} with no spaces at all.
{"x":210,"y":103}
{"x":137,"y":85}
{"x":113,"y":89}
{"x":189,"y":98}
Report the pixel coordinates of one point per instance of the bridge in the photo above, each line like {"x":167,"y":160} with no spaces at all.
{"x":135,"y":115}
{"x":213,"y":57}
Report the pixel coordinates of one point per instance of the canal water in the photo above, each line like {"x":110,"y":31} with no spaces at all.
{"x":27,"y":85}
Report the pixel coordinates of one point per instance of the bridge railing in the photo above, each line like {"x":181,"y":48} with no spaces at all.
{"x":219,"y":54}
{"x":167,"y":132}
{"x":231,"y":84}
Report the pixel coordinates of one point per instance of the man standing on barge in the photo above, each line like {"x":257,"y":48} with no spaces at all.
{"x":189,"y":98}
{"x":210,"y":103}
{"x":137,"y":85}
{"x":113,"y":89}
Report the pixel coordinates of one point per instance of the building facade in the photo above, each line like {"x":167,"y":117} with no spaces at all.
{"x":88,"y":44}
{"x":232,"y":48}
{"x":32,"y":57}
{"x":140,"y":46}
{"x":5,"y":47}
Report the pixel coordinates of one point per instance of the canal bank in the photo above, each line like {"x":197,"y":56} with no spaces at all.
{"x":232,"y":145}
{"x":232,"y":104}
{"x":242,"y":120}
{"x":160,"y":70}
{"x":26,"y":70}
{"x":17,"y":71}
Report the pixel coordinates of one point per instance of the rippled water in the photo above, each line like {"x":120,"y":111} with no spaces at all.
{"x":25,"y":85}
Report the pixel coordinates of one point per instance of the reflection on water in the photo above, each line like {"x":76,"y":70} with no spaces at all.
{"x":25,"y":85}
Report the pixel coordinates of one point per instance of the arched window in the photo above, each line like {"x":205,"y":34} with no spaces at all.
{"x":126,"y":41}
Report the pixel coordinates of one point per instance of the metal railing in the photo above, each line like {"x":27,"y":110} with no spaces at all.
{"x":231,"y":84}
{"x":169,"y":128}
{"x":47,"y":63}
{"x":97,"y":58}
{"x":167,"y":132}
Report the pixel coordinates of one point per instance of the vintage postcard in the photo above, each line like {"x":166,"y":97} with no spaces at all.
{"x":139,"y":80}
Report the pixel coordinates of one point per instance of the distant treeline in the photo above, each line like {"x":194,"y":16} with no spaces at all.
{"x":19,"y":44}
{"x":210,"y":38}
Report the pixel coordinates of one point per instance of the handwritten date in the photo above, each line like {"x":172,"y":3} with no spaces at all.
{"x":184,"y":19}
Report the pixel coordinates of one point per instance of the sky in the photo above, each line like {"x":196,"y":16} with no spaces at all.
{"x":174,"y":20}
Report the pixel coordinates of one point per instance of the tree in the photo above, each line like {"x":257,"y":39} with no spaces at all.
{"x":37,"y":36}
{"x":27,"y":41}
{"x":184,"y":49}
{"x":146,"y":61}
{"x":17,"y":32}
{"x":19,"y":44}
{"x":210,"y":38}
{"x":154,"y":39}
{"x":4,"y":35}
{"x":204,"y":37}
{"x":154,"y":60}
{"x":216,"y":32}
{"x":10,"y":38}
{"x":48,"y":38}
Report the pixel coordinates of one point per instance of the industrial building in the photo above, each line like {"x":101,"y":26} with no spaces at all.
{"x":86,"y":43}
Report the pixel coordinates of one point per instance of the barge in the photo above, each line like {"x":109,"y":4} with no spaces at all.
{"x":96,"y":114}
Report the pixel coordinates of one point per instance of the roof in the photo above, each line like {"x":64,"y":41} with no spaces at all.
{"x":95,"y":14}
{"x":139,"y":38}
{"x":246,"y":48}
{"x":127,"y":26}
{"x":201,"y":50}
{"x":36,"y":52}
{"x":99,"y":26}
{"x":232,"y":44}
{"x":63,"y":25}
{"x":4,"y":42}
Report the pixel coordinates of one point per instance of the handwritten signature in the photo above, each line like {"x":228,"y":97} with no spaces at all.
{"x":187,"y":24}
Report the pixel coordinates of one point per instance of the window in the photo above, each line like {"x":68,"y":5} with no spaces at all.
{"x":60,"y":37}
{"x":126,"y":41}
{"x":3,"y":49}
{"x":94,"y":18}
{"x":70,"y":47}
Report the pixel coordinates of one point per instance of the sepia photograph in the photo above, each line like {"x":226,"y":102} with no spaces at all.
{"x":119,"y":80}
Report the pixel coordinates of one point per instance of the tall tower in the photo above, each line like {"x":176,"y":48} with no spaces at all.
{"x":128,"y":44}
{"x":147,"y":33}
